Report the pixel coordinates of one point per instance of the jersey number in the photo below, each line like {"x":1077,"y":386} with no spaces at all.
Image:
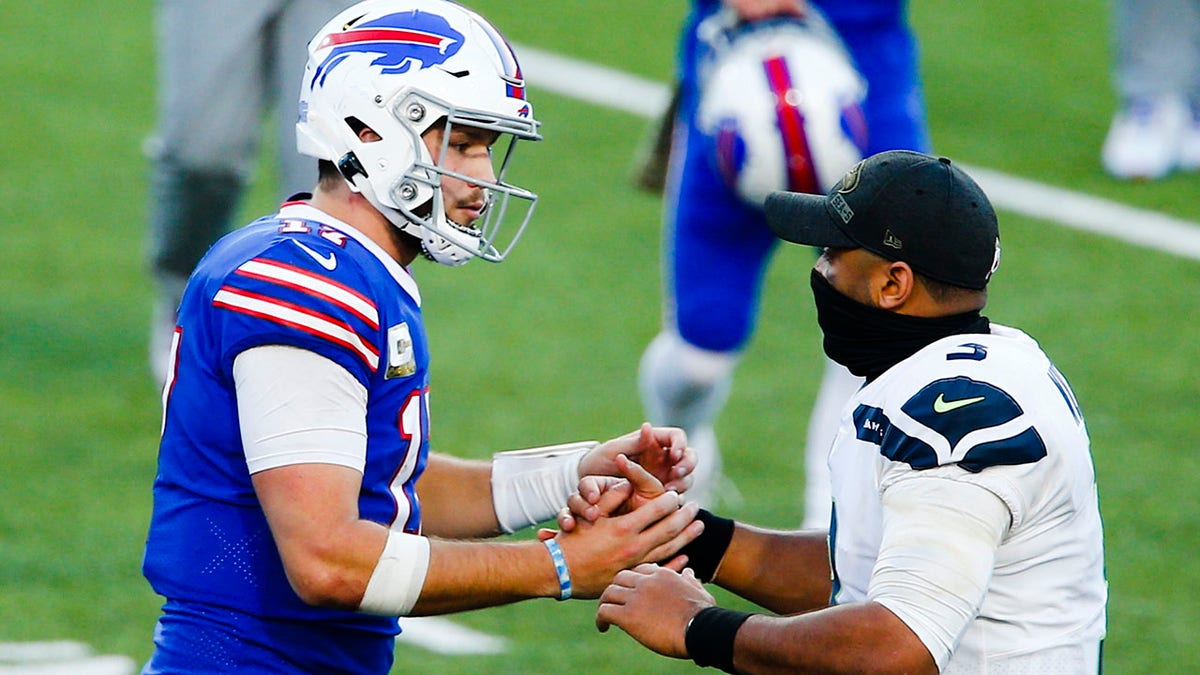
{"x":411,"y":423}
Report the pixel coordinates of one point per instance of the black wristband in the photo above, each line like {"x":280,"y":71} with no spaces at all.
{"x":710,"y":635}
{"x":704,"y":553}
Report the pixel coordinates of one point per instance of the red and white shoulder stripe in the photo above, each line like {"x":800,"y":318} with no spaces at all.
{"x":309,"y":319}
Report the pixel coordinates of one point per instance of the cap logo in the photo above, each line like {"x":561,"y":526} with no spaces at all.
{"x":850,"y":180}
{"x":843,"y":209}
{"x":995,"y":260}
{"x":892,"y":241}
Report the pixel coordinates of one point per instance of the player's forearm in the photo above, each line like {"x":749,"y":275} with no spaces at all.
{"x":517,"y":489}
{"x":784,"y":571}
{"x":580,"y":563}
{"x":472,"y":575}
{"x":456,"y":498}
{"x":858,"y":638}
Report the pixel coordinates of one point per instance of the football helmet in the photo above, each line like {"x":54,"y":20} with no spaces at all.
{"x":399,"y":67}
{"x":781,"y":102}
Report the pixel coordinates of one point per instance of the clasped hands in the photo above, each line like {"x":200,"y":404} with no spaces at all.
{"x":645,"y":590}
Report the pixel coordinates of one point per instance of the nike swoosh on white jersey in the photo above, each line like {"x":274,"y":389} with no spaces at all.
{"x":327,"y":261}
{"x":941,"y":405}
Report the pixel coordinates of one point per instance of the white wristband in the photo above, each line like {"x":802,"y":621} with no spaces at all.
{"x":399,"y":576}
{"x":530,"y":486}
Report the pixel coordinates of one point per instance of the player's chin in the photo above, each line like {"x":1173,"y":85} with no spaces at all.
{"x":465,"y":218}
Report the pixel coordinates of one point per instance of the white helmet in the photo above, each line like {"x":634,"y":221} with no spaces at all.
{"x":398,"y":67}
{"x":781,"y":104}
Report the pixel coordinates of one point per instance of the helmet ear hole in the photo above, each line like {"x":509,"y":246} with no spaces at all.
{"x":358,"y":127}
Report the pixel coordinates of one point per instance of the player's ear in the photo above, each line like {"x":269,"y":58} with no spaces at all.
{"x":895,"y":285}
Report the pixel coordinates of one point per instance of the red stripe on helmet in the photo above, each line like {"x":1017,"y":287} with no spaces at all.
{"x":386,"y":35}
{"x":800,"y":168}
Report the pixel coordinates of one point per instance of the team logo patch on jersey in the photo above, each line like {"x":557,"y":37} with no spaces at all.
{"x":402,"y":361}
{"x":402,"y":41}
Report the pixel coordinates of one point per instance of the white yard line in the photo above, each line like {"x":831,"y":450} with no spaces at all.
{"x":47,"y":650}
{"x":67,"y":657}
{"x":640,"y":96}
{"x":1079,"y":211}
{"x":92,"y":665}
{"x":446,"y":637}
{"x":592,"y":82}
{"x":60,"y":657}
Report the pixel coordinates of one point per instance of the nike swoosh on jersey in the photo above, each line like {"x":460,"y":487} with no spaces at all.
{"x":327,"y":261}
{"x":941,"y":405}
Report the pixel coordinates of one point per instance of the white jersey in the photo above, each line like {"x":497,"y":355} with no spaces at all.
{"x":975,"y":434}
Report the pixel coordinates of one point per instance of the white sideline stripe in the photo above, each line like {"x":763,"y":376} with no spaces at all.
{"x":446,"y":637}
{"x":60,"y":657}
{"x":593,"y":83}
{"x":96,"y":665}
{"x":640,"y":96}
{"x":48,"y":650}
{"x":1132,"y":225}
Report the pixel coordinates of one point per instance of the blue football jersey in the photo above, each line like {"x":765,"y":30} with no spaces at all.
{"x":302,"y":279}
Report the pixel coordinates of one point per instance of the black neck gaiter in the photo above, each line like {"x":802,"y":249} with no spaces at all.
{"x":868,"y":340}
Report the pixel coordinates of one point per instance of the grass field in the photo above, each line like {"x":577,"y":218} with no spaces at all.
{"x":1020,"y":86}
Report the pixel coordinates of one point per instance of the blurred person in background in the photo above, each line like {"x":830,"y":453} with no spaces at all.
{"x":1156,"y":73}
{"x":707,"y":160}
{"x":222,"y":65}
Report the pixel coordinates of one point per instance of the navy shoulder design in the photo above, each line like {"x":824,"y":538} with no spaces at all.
{"x":952,"y":408}
{"x":957,"y":406}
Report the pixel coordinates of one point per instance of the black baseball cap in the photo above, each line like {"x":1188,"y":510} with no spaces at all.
{"x":900,"y":205}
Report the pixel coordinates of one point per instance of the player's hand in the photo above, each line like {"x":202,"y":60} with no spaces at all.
{"x":757,"y":10}
{"x":662,"y":451}
{"x":607,"y":495}
{"x":653,"y":604}
{"x":601,"y":496}
{"x":595,"y":552}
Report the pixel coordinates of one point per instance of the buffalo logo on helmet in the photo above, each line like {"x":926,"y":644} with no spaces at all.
{"x":402,"y":41}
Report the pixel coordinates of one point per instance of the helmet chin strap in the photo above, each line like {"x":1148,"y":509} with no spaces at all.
{"x":434,"y":246}
{"x":442,"y":251}
{"x":356,"y":178}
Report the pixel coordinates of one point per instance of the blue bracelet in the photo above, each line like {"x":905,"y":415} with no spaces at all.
{"x":560,"y":566}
